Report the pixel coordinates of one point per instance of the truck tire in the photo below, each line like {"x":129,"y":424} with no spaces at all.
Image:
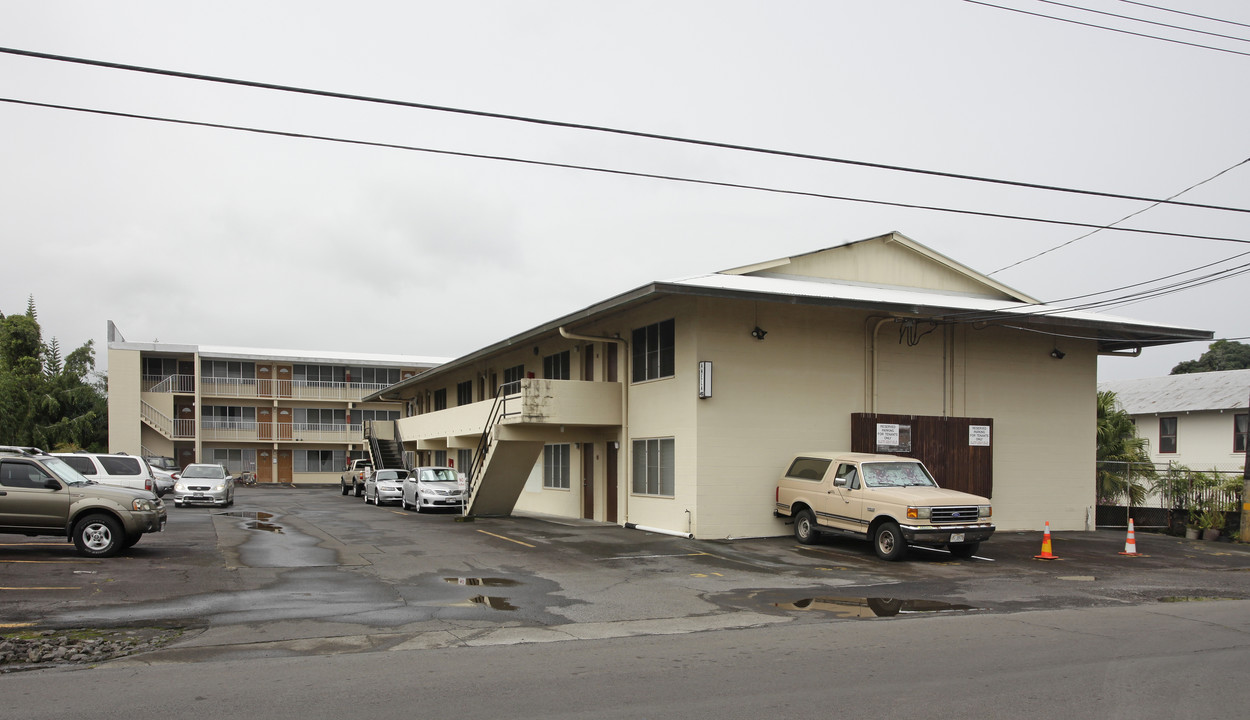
{"x":342,"y":487}
{"x":888,"y":541}
{"x":360,"y":489}
{"x":98,"y":536}
{"x":964,"y":550}
{"x":805,"y":527}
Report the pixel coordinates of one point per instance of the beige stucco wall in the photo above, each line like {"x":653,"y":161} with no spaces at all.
{"x":1204,"y":440}
{"x":124,"y":383}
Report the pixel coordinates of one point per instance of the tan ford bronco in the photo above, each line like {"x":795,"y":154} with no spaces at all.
{"x":891,"y":500}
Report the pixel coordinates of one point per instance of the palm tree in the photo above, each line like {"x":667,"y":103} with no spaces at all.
{"x":1123,"y":461}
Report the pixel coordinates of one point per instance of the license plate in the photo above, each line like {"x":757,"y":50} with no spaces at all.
{"x":957,"y":537}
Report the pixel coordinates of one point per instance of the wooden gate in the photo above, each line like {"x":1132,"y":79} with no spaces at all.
{"x":958,"y":451}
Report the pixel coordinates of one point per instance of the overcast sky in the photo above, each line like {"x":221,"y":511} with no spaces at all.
{"x":212,"y":236}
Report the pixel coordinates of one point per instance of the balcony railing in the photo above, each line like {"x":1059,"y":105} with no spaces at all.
{"x":261,"y":388}
{"x":247,"y":430}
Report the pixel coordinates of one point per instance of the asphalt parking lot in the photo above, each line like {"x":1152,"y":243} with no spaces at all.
{"x":290,"y":571}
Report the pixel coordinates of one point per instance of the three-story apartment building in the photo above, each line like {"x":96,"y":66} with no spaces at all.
{"x":286,"y":415}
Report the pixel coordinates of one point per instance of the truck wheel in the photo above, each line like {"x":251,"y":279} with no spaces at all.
{"x":131,"y":540}
{"x":343,"y":488}
{"x":98,"y":536}
{"x":360,"y":490}
{"x":888,"y":541}
{"x":963,"y":550}
{"x":805,"y":527}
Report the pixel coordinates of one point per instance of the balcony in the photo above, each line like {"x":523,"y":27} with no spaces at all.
{"x":260,"y":388}
{"x":248,"y":431}
{"x":541,"y":406}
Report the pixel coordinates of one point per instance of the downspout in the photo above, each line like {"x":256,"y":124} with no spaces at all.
{"x":873,"y":342}
{"x":625,"y":360}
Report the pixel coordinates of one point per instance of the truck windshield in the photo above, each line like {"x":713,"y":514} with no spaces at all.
{"x":61,"y":469}
{"x":897,"y":474}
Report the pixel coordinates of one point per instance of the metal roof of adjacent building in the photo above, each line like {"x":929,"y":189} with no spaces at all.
{"x":1221,"y":390}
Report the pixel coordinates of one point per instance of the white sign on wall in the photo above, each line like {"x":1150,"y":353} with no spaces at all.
{"x":978,"y":435}
{"x":887,"y":434}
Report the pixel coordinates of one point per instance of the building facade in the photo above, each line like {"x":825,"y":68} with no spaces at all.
{"x":1195,"y":419}
{"x":677,"y":405}
{"x":287,"y":416}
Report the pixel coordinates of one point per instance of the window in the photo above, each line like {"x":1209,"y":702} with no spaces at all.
{"x":375,"y":376}
{"x":512,"y":379}
{"x":360,"y":417}
{"x":327,"y":461}
{"x":235,"y":460}
{"x":653,"y":467}
{"x":320,"y":416}
{"x":228,"y":417}
{"x":556,"y":367}
{"x":464,"y":461}
{"x":228,"y":369}
{"x":120,"y":465}
{"x":440,"y":457}
{"x":653,"y":351}
{"x":22,"y":475}
{"x":1167,"y":434}
{"x":160,"y":367}
{"x":556,"y":466}
{"x":319,"y":374}
{"x":1239,"y":433}
{"x":440,"y":399}
{"x":805,"y":468}
{"x":464,"y":393}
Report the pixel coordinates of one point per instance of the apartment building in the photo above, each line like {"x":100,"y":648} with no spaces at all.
{"x":675,"y":406}
{"x":286,"y":415}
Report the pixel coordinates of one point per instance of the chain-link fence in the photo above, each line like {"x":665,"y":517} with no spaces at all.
{"x":1168,"y":495}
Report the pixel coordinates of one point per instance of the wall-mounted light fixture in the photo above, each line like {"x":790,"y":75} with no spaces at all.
{"x":1057,"y":354}
{"x":758,"y":333}
{"x":705,"y":378}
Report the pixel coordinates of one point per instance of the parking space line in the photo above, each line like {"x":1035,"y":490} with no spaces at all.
{"x":501,"y":537}
{"x":32,"y":544}
{"x":647,"y":557}
{"x":40,"y":588}
{"x":49,"y":562}
{"x":16,"y":625}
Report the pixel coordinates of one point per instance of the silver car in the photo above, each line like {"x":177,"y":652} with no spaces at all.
{"x":385,"y":486}
{"x":432,"y":487}
{"x":204,"y":484}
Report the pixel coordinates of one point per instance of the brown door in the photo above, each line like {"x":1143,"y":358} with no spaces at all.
{"x":264,"y":423}
{"x":611,"y":348}
{"x":588,"y":362}
{"x":609,"y":484}
{"x":264,"y":466}
{"x":285,"y":416}
{"x":264,"y":380}
{"x":285,"y":467}
{"x":184,"y":418}
{"x":283,"y":375}
{"x":186,"y":456}
{"x":588,"y":481}
{"x":186,"y":380}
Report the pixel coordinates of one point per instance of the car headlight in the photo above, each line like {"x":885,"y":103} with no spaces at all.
{"x":180,"y":487}
{"x":985,"y":511}
{"x":141,"y":505}
{"x":220,"y":487}
{"x":919,"y":513}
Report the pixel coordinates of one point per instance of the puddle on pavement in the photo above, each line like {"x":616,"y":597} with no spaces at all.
{"x":849,"y":607}
{"x":259,"y":520}
{"x":495,"y":603}
{"x":484,"y":582}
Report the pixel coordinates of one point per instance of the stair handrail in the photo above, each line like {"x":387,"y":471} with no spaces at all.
{"x":498,"y":411}
{"x":157,"y":419}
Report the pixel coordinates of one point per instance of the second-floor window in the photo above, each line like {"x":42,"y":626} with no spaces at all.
{"x":464,"y":393}
{"x":440,"y":399}
{"x":227,"y":369}
{"x":227,"y":416}
{"x":320,"y":416}
{"x":556,"y":367}
{"x":1239,"y":433}
{"x":1167,"y":434}
{"x":653,"y":351}
{"x":512,"y":379}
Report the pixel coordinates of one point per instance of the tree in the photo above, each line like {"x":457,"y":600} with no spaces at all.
{"x":1123,"y":462}
{"x":1220,"y":355}
{"x":45,"y":401}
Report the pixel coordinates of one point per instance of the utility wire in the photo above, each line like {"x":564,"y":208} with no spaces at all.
{"x":1182,"y":12}
{"x":612,"y":171}
{"x":594,"y":128}
{"x":1104,"y":27}
{"x":1117,"y":222}
{"x":1140,"y":20}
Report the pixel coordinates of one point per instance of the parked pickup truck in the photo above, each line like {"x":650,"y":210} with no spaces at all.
{"x":353,"y":478}
{"x":891,"y":500}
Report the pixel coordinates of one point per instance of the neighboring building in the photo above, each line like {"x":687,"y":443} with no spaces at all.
{"x":1195,"y":419}
{"x":288,"y":416}
{"x":675,"y":406}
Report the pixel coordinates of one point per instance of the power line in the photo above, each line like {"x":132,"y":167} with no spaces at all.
{"x":1181,"y":12}
{"x":1117,"y":222}
{"x":1140,"y":20}
{"x":1111,"y":29}
{"x":626,"y":173}
{"x":598,"y":128}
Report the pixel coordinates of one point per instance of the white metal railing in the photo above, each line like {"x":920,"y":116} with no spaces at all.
{"x":165,"y":425}
{"x":279,"y":431}
{"x":295,"y":389}
{"x":169,"y":383}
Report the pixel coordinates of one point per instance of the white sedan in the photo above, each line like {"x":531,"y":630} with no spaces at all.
{"x":385,"y":486}
{"x":432,"y":487}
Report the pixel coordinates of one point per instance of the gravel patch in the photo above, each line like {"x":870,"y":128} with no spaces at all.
{"x":30,"y":649}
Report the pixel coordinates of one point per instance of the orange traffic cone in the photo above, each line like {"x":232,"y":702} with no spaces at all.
{"x":1046,"y":553}
{"x":1130,"y":545}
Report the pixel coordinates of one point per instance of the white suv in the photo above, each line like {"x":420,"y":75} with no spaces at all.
{"x":112,"y":469}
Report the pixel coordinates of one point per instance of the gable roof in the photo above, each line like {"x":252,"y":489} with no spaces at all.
{"x":1222,"y":390}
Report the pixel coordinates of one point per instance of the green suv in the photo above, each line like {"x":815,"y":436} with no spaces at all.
{"x":42,"y":495}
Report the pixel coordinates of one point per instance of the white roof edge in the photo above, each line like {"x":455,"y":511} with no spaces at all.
{"x":303,"y":356}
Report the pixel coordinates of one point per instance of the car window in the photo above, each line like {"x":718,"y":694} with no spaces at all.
{"x":65,"y":471}
{"x":391,"y":475}
{"x":212,"y":472}
{"x":846,"y":471}
{"x":81,"y":464}
{"x":17,"y":474}
{"x":120,"y":465}
{"x":438,"y":475}
{"x":896,"y":474}
{"x":805,"y":468}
